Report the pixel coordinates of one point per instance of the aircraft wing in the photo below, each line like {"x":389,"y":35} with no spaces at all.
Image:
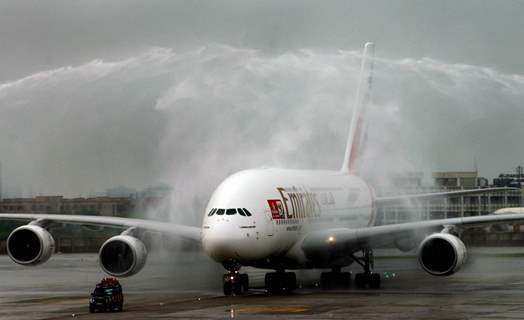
{"x":425,"y":196}
{"x":350,"y":240}
{"x":182,"y":231}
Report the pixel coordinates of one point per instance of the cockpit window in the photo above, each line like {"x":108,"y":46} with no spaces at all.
{"x":229,"y":212}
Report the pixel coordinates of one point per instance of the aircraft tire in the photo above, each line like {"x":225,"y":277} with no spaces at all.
{"x":238,"y":287}
{"x":345,"y":280}
{"x":374,"y":281}
{"x":291,"y":281}
{"x":274,"y":283}
{"x":361,"y":280}
{"x":245,"y":282}
{"x":228,"y":288}
{"x":280,"y":282}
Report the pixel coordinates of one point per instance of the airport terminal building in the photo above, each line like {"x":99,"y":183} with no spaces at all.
{"x":459,"y":206}
{"x":448,"y":207}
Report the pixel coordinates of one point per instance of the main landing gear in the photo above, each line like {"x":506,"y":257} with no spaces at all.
{"x":280,"y":282}
{"x":335,"y":279}
{"x":341,"y":280}
{"x":366,"y":278}
{"x":235,"y":283}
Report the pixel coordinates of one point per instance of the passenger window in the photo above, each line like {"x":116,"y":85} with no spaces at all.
{"x":220,"y":212}
{"x":212,"y":212}
{"x":231,"y":212}
{"x":241,"y":212}
{"x":247,"y":212}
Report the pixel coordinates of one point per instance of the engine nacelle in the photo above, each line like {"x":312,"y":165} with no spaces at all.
{"x":122,"y":256}
{"x":30,"y":245}
{"x":406,"y":244}
{"x":442,"y":254}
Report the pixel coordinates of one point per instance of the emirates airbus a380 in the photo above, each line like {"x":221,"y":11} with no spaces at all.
{"x":280,"y":220}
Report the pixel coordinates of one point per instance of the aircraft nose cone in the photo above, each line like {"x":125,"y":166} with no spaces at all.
{"x":219,"y":243}
{"x":228,"y":241}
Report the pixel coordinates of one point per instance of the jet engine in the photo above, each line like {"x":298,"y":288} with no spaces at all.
{"x":30,"y":245}
{"x":122,"y":256}
{"x":406,"y":244}
{"x":442,"y":254}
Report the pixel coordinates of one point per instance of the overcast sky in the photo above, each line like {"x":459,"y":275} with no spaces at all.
{"x":95,"y":94}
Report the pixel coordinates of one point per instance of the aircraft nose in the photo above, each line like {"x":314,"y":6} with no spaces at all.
{"x":229,"y":241}
{"x":220,"y":243}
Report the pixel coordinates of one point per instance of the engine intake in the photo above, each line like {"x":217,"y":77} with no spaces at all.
{"x":122,"y":256}
{"x":442,"y":254}
{"x":30,"y":245}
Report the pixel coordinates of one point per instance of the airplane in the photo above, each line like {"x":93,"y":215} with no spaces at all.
{"x":281,"y":220}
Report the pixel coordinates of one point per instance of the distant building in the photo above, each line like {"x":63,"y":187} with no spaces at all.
{"x":120,"y":191}
{"x":514,"y":180}
{"x":102,"y":206}
{"x":459,"y":180}
{"x":449,"y":207}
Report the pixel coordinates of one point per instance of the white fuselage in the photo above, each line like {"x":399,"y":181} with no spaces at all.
{"x":284,"y":205}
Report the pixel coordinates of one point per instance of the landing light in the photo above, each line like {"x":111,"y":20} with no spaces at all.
{"x":331,"y":239}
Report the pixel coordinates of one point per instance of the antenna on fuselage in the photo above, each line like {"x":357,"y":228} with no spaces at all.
{"x":356,"y":136}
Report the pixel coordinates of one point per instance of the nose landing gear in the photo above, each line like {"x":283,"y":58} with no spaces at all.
{"x":235,"y":283}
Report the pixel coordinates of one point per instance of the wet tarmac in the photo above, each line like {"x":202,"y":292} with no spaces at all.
{"x":491,"y":286}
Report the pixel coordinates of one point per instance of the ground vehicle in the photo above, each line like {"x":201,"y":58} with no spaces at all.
{"x":107,"y":296}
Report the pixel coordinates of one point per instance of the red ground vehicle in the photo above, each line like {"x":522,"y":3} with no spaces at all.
{"x":107,"y":296}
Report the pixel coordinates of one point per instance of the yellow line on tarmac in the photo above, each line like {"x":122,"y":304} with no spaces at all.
{"x":297,"y":309}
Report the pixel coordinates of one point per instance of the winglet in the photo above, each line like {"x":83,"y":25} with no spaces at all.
{"x":356,"y":134}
